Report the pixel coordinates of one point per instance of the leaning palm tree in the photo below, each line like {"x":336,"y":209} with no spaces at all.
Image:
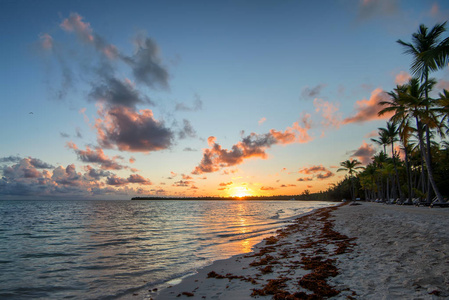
{"x":351,"y":166}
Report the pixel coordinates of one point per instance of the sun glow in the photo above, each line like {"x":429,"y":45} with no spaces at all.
{"x":240,"y":191}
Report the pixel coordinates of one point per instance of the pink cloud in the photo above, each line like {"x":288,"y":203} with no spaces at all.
{"x":371,"y":134}
{"x":319,"y":172}
{"x":251,"y":146}
{"x":443,"y":84}
{"x":261,"y":121}
{"x":46,"y":41}
{"x":226,"y":183}
{"x":402,"y":78}
{"x":313,"y":169}
{"x":364,"y":153}
{"x":328,"y":112}
{"x":326,"y":175}
{"x":74,"y":23}
{"x":367,"y":110}
{"x":96,"y":156}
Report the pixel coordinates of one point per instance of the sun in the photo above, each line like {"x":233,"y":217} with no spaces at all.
{"x":239,"y":191}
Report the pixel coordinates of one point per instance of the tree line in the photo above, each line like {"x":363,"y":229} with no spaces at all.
{"x":418,"y":128}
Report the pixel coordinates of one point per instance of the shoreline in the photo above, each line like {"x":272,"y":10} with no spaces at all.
{"x":339,"y":252}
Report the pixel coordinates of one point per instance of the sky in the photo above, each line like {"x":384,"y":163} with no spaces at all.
{"x":117,"y":99}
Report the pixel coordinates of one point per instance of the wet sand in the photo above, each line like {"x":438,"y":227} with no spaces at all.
{"x":367,"y":251}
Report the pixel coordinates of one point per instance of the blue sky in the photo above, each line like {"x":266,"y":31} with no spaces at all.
{"x":111,"y":99}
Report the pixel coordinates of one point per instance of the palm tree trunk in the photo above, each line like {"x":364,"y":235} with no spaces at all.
{"x":429,"y":166}
{"x":408,"y":174}
{"x":396,"y":172}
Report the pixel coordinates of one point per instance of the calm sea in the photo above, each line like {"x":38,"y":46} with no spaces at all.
{"x":112,"y":249}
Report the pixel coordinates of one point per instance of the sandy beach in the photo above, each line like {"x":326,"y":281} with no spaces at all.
{"x":366,"y":251}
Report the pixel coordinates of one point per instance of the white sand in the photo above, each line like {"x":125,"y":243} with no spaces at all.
{"x":400,"y":253}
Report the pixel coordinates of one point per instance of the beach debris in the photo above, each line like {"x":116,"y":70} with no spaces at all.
{"x":186,"y":294}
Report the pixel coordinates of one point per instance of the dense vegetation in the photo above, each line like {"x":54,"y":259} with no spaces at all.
{"x":418,"y":166}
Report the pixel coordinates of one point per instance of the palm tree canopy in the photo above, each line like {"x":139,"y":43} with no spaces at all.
{"x":427,"y":50}
{"x":351,"y":166}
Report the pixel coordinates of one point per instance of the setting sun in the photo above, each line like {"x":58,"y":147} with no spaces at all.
{"x":240,"y":191}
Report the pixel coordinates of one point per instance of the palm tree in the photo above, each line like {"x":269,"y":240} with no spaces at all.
{"x":429,"y":54}
{"x":351,"y":166}
{"x":443,"y":102}
{"x":383,"y":139}
{"x":411,"y":102}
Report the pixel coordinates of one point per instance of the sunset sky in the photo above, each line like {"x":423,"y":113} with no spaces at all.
{"x":115,"y":99}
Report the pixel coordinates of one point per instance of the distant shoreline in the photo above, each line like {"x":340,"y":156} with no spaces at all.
{"x":279,"y":198}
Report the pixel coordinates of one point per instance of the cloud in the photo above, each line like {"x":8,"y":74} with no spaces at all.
{"x":402,"y":78}
{"x":146,"y":63}
{"x":186,"y":177}
{"x":96,"y":156}
{"x":39,"y":164}
{"x":187,"y":130}
{"x":261,"y":121}
{"x":136,"y":178}
{"x":312,"y":92}
{"x":251,"y":146}
{"x":182,"y":183}
{"x":116,"y":181}
{"x":95,"y":173}
{"x":371,"y":134}
{"x":305,"y":179}
{"x":377,"y":8}
{"x":287,"y":185}
{"x":31,"y":178}
{"x":74,"y":23}
{"x":46,"y":41}
{"x":116,"y":92}
{"x":10,"y":159}
{"x":189,"y":149}
{"x":132,"y":160}
{"x":318,"y":172}
{"x":313,"y":169}
{"x":128,"y":130}
{"x":326,"y":175}
{"x":267,"y":188}
{"x":226,"y":183}
{"x":443,"y":84}
{"x":328,"y":112}
{"x":367,"y":110}
{"x":364,"y":153}
{"x":197,"y":105}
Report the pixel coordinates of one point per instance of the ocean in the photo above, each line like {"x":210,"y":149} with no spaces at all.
{"x":114,"y":249}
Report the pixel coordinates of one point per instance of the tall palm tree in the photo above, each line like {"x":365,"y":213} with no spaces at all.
{"x":428,"y":51}
{"x":429,"y":54}
{"x":412,"y":103}
{"x":351,"y":166}
{"x":392,"y":131}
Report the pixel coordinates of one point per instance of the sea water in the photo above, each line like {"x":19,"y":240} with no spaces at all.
{"x":114,"y":249}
